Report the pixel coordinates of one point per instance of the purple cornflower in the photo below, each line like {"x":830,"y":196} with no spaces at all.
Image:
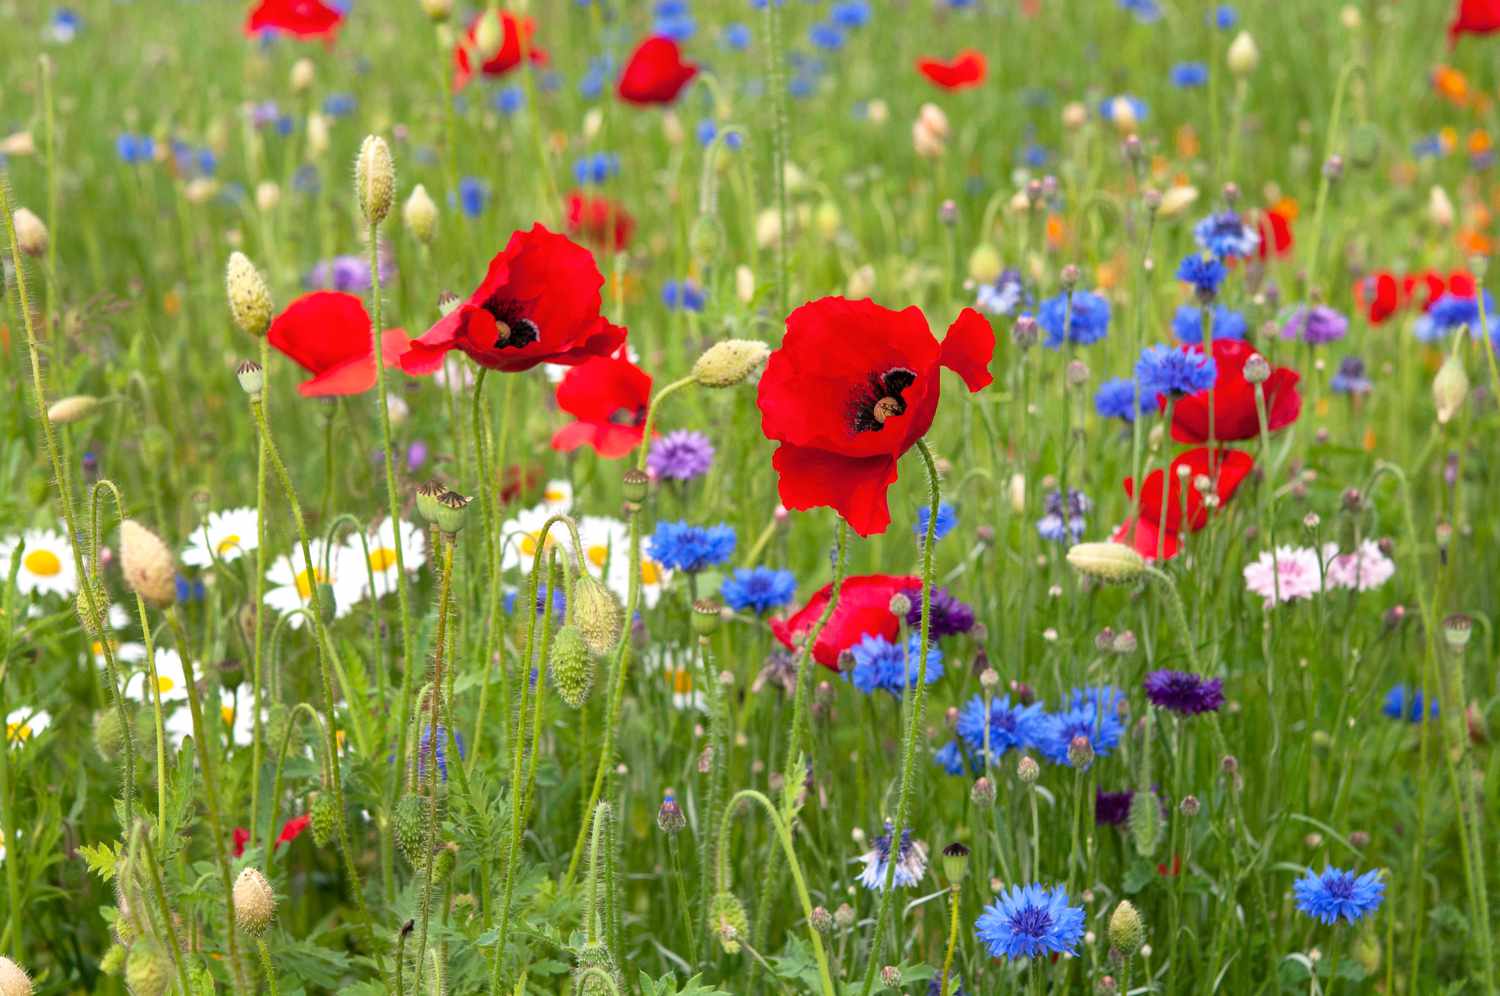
{"x":1184,"y":693}
{"x":1350,"y":377}
{"x":680,"y":456}
{"x":351,"y":273}
{"x":1112,"y":809}
{"x":949,"y":615}
{"x":1316,"y":325}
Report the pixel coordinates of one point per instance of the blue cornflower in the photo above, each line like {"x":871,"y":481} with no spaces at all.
{"x":708,"y":130}
{"x":880,"y":665}
{"x":189,"y":591}
{"x":425,"y":749}
{"x":306,"y":180}
{"x":1402,"y":703}
{"x":953,"y":759}
{"x":1117,"y":398}
{"x":1059,"y":523}
{"x":1109,"y":105}
{"x":1087,"y":323}
{"x":1005,"y":295}
{"x":851,"y":13}
{"x":596,"y":168}
{"x":758,"y":589}
{"x":1187,"y":324}
{"x":338,"y":105}
{"x":684,"y":294}
{"x":684,"y":547}
{"x":1315,"y":326}
{"x":1034,"y":155}
{"x":673,"y":20}
{"x":1204,"y":272}
{"x":1450,"y":312}
{"x":1225,"y":234}
{"x":509,"y":100}
{"x":1091,"y":713}
{"x":1174,"y":371}
{"x":1187,"y":75}
{"x":1145,"y":11}
{"x":1430,"y":147}
{"x":911,"y":861}
{"x":64,"y":25}
{"x":947,"y":518}
{"x":1030,"y":920}
{"x":1225,"y":17}
{"x":827,"y":36}
{"x":1338,"y":894}
{"x":559,"y":601}
{"x":133,"y":149}
{"x":471,"y":196}
{"x":1011,"y":726}
{"x":1350,"y":377}
{"x":736,"y":36}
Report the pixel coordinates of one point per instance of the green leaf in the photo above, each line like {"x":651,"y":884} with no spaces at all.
{"x":102,"y":858}
{"x":667,"y":986}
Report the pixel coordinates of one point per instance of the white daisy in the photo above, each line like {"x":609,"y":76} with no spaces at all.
{"x":381,"y":544}
{"x":171,"y":678}
{"x":46,"y":563}
{"x":23,"y":724}
{"x":239,"y":718}
{"x":606,"y":549}
{"x":294,"y":582}
{"x":558,"y":496}
{"x":679,"y":675}
{"x":225,"y":535}
{"x":521,"y":536}
{"x":178,"y":724}
{"x":126,"y":651}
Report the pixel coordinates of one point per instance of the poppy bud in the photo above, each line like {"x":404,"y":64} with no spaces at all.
{"x":411,"y":824}
{"x":109,"y":733}
{"x":985,"y":265}
{"x":13,"y":979}
{"x":744,"y":283}
{"x":596,"y":613}
{"x":254,"y":902}
{"x":726,"y":916}
{"x":572,"y":666}
{"x":730,"y":362}
{"x":1177,"y":200}
{"x":252,"y":378}
{"x":31,"y":233}
{"x":419,"y":214}
{"x":1439,"y":208}
{"x":317,"y":134}
{"x":1113,"y":563}
{"x":488,"y":35}
{"x":1450,"y":387}
{"x":303,"y":74}
{"x":1243,"y":55}
{"x":437,"y":11}
{"x":112,"y":964}
{"x":72,"y":409}
{"x":249,"y":298}
{"x":323,"y":817}
{"x":147,"y":563}
{"x":1126,"y":931}
{"x":1075,"y":115}
{"x":328,"y":602}
{"x":375,"y":177}
{"x":148,"y":972}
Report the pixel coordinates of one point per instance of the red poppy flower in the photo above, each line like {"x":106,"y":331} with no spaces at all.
{"x":599,"y":221}
{"x":241,"y":838}
{"x":518,"y":480}
{"x":516,"y":33}
{"x":1234,"y":415}
{"x":656,"y":72}
{"x":1226,"y":469}
{"x":964,"y":70}
{"x":863,"y":609}
{"x":292,"y":829}
{"x":852,"y":387}
{"x":1146,"y":538}
{"x":1459,"y":283}
{"x":608,"y":396}
{"x":1379,"y":296}
{"x":1474,"y":17}
{"x":1170,"y":871}
{"x":539,"y":303}
{"x":327,"y":333}
{"x":1275,"y":229}
{"x":302,"y":18}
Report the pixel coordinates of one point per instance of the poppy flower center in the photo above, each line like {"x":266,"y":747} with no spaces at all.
{"x":629,"y":416}
{"x":513,"y":330}
{"x":880,"y":400}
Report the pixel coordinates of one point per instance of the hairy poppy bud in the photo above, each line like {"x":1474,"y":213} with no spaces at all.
{"x":726,"y":916}
{"x":13,"y":979}
{"x":730,"y":362}
{"x":254,"y":902}
{"x":303,"y":74}
{"x":249,"y":298}
{"x":1450,"y":387}
{"x":1126,"y":930}
{"x":147,"y":563}
{"x":1114,"y":563}
{"x":323,"y":817}
{"x":419,"y":214}
{"x":1243,"y":55}
{"x":375,"y":178}
{"x":572,"y":666}
{"x":31,"y":233}
{"x":596,"y":613}
{"x":148,"y":971}
{"x":412,"y":826}
{"x":984,"y":264}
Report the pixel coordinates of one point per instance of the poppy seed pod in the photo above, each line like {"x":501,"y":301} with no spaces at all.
{"x":1114,"y":563}
{"x":254,"y":902}
{"x":249,"y":298}
{"x":252,"y":378}
{"x":1126,"y":930}
{"x":449,"y":511}
{"x":596,"y":613}
{"x":572,"y":666}
{"x":375,"y":179}
{"x":731,"y":362}
{"x":419,"y":214}
{"x":955,"y":862}
{"x":13,"y":979}
{"x":31,"y":233}
{"x":147,"y":563}
{"x":428,"y":494}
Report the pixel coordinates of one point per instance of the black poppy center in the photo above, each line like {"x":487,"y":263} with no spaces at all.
{"x":513,"y":330}
{"x":880,"y":400}
{"x":628,"y":416}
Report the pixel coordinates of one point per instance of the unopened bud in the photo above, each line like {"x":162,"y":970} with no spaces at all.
{"x":419,"y":214}
{"x":31,"y":233}
{"x":375,"y":177}
{"x":729,"y":362}
{"x":249,"y":298}
{"x":254,"y":902}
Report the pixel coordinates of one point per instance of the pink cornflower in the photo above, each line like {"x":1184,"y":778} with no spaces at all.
{"x":1287,"y":574}
{"x":1365,"y":569}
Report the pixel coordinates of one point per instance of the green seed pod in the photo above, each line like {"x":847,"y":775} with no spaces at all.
{"x":596,"y":612}
{"x":324,"y":817}
{"x":412,"y":827}
{"x":572,"y":666}
{"x":1145,"y":823}
{"x":727,"y":919}
{"x":148,"y":971}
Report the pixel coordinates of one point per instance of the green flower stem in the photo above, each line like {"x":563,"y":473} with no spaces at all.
{"x":947,"y":976}
{"x":445,"y":591}
{"x":14,"y":922}
{"x":208,"y":760}
{"x":161,"y":733}
{"x":139,"y":838}
{"x":258,"y":639}
{"x":784,"y":836}
{"x":683,"y":902}
{"x":86,"y":582}
{"x":796,"y":730}
{"x":266,"y":965}
{"x":914,"y":724}
{"x":1179,"y":614}
{"x":718,"y":774}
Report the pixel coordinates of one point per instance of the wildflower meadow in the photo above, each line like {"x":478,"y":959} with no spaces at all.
{"x":721,"y":497}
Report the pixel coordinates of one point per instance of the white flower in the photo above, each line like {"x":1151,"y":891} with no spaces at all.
{"x":178,"y":724}
{"x":1287,"y":574}
{"x":25,"y":723}
{"x":294,"y":582}
{"x":224,"y":536}
{"x":521,"y":536}
{"x":606,"y":549}
{"x":381,"y":543}
{"x":46,"y":563}
{"x":171,"y":679}
{"x":126,"y":652}
{"x":679,"y":675}
{"x":558,"y":496}
{"x":239,"y":720}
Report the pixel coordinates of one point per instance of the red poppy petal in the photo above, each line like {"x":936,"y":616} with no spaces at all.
{"x":968,"y":348}
{"x":1144,"y":537}
{"x":655,"y":72}
{"x":301,"y":18}
{"x":322,"y":330}
{"x":854,"y":486}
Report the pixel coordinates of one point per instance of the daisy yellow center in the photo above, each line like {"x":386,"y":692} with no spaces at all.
{"x":382,"y":559}
{"x":228,"y":713}
{"x":650,"y":573}
{"x":305,"y":584}
{"x":98,"y":647}
{"x":17,"y":732}
{"x":553,"y":495}
{"x":43,"y":563}
{"x":682,"y":681}
{"x":164,"y":684}
{"x":228,"y":543}
{"x":598,"y":555}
